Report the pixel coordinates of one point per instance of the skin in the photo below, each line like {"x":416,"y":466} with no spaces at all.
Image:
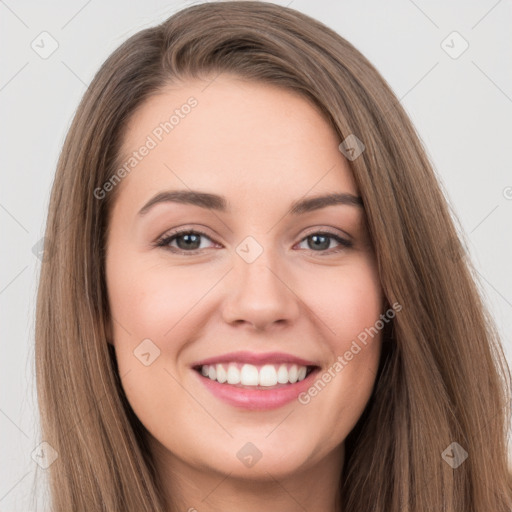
{"x":262,"y":148}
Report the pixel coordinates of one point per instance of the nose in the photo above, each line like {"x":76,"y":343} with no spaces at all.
{"x":260,"y":294}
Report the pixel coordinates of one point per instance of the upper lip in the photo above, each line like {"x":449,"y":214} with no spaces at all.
{"x":255,"y":358}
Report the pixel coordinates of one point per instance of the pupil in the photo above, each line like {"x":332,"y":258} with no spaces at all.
{"x":324,"y":245}
{"x":188,"y":237}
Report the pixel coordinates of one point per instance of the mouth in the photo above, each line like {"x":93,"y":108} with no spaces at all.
{"x":254,"y":382}
{"x":251,"y":376}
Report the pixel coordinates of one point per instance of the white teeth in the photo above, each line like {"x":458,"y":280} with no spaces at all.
{"x":233,"y":374}
{"x":250,"y":375}
{"x":293,"y":374}
{"x":221,"y":374}
{"x":282,"y":374}
{"x":268,"y":376}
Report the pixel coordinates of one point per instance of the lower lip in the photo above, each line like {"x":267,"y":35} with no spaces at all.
{"x":257,"y":399}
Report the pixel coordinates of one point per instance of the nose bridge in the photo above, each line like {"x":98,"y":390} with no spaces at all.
{"x":258,"y":293}
{"x":256,"y":266}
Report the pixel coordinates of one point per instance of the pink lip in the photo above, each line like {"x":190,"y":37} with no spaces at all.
{"x":255,"y":358}
{"x":257,"y":399}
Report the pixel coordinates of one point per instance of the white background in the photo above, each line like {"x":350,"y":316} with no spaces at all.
{"x":461,"y":107}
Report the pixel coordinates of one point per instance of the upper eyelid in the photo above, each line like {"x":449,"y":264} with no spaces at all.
{"x":203,"y":230}
{"x":328,"y":231}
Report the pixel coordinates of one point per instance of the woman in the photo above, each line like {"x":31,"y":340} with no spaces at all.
{"x":323,"y":346}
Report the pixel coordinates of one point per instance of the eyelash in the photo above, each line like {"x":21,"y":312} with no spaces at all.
{"x":168,"y":238}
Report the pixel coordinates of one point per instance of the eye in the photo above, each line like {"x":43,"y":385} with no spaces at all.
{"x":321,"y":241}
{"x":186,"y":240}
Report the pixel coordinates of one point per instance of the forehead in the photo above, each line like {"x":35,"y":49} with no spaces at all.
{"x":243,"y":139}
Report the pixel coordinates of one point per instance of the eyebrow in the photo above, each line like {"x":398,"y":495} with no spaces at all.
{"x":219,"y":203}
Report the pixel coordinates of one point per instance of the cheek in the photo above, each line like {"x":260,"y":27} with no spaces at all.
{"x":349,"y":305}
{"x":155,"y":308}
{"x":148,"y":304}
{"x":347,"y":300}
{"x":150,"y":300}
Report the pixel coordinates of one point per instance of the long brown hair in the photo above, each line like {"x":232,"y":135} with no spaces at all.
{"x":443,"y":377}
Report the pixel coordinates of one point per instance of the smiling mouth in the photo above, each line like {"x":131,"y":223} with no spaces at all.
{"x":250,"y":376}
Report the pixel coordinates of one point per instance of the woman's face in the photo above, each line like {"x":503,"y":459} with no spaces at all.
{"x":253,"y":295}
